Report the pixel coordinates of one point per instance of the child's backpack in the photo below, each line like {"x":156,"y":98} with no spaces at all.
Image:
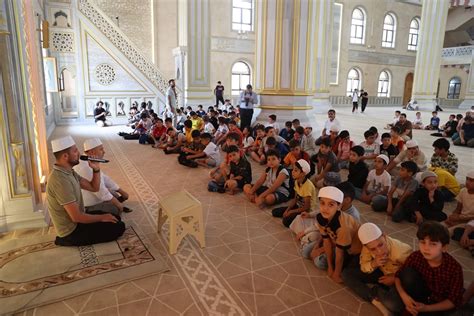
{"x":291,"y":182}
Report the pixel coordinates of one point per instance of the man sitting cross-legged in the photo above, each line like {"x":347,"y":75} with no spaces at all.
{"x":65,"y":203}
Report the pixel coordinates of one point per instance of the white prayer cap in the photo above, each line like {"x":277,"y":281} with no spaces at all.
{"x":91,"y":143}
{"x":334,"y":128}
{"x":470,"y":174}
{"x":332,"y":193}
{"x":384,"y":158}
{"x":304,"y":166}
{"x":62,"y":143}
{"x":412,"y":143}
{"x":369,"y":232}
{"x":427,"y":174}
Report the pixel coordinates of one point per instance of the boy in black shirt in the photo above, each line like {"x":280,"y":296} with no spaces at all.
{"x":240,"y":170}
{"x":387,"y":147}
{"x":358,"y":170}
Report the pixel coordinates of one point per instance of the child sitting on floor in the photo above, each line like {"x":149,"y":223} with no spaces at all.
{"x":256,"y":151}
{"x":464,"y":211}
{"x":326,"y":161}
{"x":377,"y":185}
{"x":396,"y":139}
{"x":358,"y":170}
{"x":248,"y":141}
{"x":210,"y":156}
{"x":417,"y":123}
{"x":427,"y":202}
{"x":287,"y":132}
{"x":294,"y":155}
{"x":305,"y":194}
{"x":174,"y":142}
{"x":191,"y":151}
{"x":344,"y":149}
{"x":402,"y":189}
{"x":387,"y":148}
{"x":240,"y":170}
{"x":308,"y":142}
{"x":434,"y":122}
{"x":222,"y":130}
{"x":430,"y":280}
{"x":273,"y":185}
{"x":465,"y":236}
{"x":371,"y":148}
{"x":339,"y":232}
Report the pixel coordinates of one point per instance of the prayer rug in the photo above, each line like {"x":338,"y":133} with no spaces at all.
{"x":34,"y":271}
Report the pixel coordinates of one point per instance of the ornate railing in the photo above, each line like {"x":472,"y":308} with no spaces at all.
{"x":380,"y":101}
{"x":124,"y":45}
{"x":460,"y":51}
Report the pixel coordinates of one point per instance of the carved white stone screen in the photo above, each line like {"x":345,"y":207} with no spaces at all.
{"x":62,"y":41}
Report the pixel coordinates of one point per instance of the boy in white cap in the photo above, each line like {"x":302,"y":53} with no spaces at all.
{"x":338,"y":230}
{"x":305,"y":194}
{"x":412,"y":153}
{"x":380,"y":258}
{"x":464,"y":211}
{"x":65,"y":203}
{"x":378,"y":184}
{"x":110,"y":196}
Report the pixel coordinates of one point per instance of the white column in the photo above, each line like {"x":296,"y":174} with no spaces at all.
{"x":194,"y":33}
{"x":434,"y":14}
{"x":469,"y":98}
{"x":293,"y":41}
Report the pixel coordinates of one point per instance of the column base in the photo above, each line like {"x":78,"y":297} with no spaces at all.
{"x":467,"y":104}
{"x":321,"y":105}
{"x":286,"y":108}
{"x":425,"y":103}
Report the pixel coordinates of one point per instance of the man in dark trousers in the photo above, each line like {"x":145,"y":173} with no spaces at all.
{"x":364,"y":96}
{"x":219,"y":93}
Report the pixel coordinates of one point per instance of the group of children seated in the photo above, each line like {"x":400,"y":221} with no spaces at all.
{"x":383,"y":172}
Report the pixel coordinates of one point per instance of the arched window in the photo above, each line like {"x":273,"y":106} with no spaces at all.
{"x":383,"y":89}
{"x":413,"y":34}
{"x":454,"y":88}
{"x":353,"y":81}
{"x":358,"y":26}
{"x":240,"y":77}
{"x":242,"y":15}
{"x":389,"y":30}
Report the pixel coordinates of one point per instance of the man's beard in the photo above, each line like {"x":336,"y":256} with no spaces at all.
{"x":73,"y":162}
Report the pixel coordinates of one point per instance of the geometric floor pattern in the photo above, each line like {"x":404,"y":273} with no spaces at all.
{"x":251,"y":264}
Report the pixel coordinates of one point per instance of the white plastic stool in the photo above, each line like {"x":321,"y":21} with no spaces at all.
{"x":185,"y":217}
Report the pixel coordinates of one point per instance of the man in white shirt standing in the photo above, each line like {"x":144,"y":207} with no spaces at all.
{"x":171,"y":101}
{"x":331,"y":122}
{"x":355,"y":100}
{"x":110,"y":196}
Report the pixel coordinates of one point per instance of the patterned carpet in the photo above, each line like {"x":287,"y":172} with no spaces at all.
{"x":251,"y":265}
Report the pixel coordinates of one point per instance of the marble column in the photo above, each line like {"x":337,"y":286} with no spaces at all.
{"x":434,"y":14}
{"x":292,"y":57}
{"x":469,"y":97}
{"x":194,"y":41}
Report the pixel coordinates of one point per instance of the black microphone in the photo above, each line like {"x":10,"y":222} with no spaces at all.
{"x":87,"y":158}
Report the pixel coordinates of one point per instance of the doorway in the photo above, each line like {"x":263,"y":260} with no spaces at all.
{"x":408,"y":88}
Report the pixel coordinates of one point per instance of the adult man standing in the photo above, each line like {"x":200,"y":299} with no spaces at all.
{"x":100,"y":115}
{"x":331,"y":122}
{"x":219,"y":93}
{"x":65,"y":203}
{"x":247,"y":100}
{"x":405,"y":127}
{"x":109,"y":198}
{"x":171,"y":101}
{"x":364,"y":96}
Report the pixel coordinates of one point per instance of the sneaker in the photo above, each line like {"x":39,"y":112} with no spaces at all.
{"x":127,"y":210}
{"x":381,"y":307}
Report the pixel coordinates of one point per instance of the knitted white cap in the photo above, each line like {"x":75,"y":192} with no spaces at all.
{"x":368,"y":232}
{"x":384,"y":158}
{"x":332,"y":193}
{"x":305,"y":167}
{"x":91,"y":143}
{"x":412,"y":143}
{"x":62,"y":143}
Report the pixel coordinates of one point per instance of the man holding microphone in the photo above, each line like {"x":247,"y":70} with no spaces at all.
{"x":65,"y":202}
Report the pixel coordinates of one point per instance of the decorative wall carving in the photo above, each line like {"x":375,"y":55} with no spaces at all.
{"x":232,"y":45}
{"x":105,"y":74}
{"x":62,"y":41}
{"x":381,"y":59}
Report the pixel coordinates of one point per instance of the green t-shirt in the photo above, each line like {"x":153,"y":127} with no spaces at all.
{"x":63,"y":188}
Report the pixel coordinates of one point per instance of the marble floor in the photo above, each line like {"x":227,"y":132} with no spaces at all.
{"x":251,"y":263}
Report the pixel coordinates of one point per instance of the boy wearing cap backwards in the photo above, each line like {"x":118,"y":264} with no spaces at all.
{"x":377,"y":185}
{"x":430,"y":280}
{"x":65,"y":203}
{"x":403,"y":188}
{"x":338,"y":230}
{"x":109,"y":198}
{"x":273,"y":185}
{"x":358,"y":170}
{"x":305,"y":194}
{"x":464,"y":211}
{"x":427,"y":202}
{"x":380,"y":258}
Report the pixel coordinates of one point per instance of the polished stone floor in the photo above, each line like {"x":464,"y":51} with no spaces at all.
{"x":251,"y":264}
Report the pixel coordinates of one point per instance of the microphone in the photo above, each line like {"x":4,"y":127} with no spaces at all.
{"x":87,"y":158}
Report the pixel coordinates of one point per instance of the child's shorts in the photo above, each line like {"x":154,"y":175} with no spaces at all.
{"x":279,"y":197}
